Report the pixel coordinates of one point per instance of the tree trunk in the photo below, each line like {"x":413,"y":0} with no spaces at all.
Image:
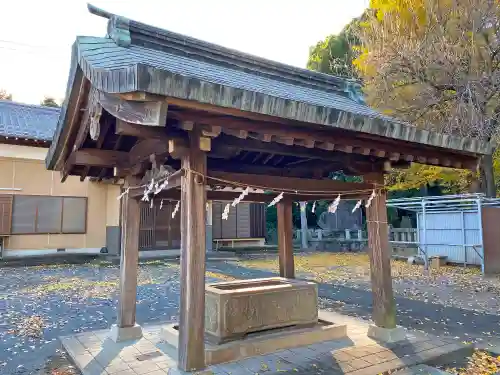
{"x":487,"y":176}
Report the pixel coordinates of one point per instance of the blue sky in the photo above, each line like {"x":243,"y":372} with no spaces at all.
{"x":36,"y":36}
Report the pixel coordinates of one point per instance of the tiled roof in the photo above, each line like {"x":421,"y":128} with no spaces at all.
{"x":26,"y":121}
{"x":135,"y":57}
{"x":138,"y":57}
{"x":103,"y":54}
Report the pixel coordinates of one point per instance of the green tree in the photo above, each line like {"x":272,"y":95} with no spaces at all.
{"x":334,"y":54}
{"x":436,"y":64}
{"x":4,"y":95}
{"x":49,"y":101}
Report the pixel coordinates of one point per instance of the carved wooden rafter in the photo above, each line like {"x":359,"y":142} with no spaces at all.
{"x":316,"y":138}
{"x":149,"y":113}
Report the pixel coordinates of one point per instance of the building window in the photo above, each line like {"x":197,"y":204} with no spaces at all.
{"x":42,"y":215}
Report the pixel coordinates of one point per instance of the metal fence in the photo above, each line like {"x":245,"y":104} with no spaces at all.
{"x":449,"y":225}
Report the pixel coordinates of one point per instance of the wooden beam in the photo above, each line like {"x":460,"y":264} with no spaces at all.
{"x":394,"y":156}
{"x":141,"y":96}
{"x":177,"y":148}
{"x":241,"y":167}
{"x":328,"y":146}
{"x":75,"y":113}
{"x":356,"y":142}
{"x":106,"y":125}
{"x":187,"y":125}
{"x":98,"y":158}
{"x":211,"y":131}
{"x":279,"y":159}
{"x":147,"y":113}
{"x":298,"y":151}
{"x":268,"y":158}
{"x":143,"y":149}
{"x":257,"y":157}
{"x":75,"y":121}
{"x":285,"y":239}
{"x":174,"y":182}
{"x":116,"y":146}
{"x":289,"y":141}
{"x":374,"y":178}
{"x":140,"y":131}
{"x":129,"y":259}
{"x":287,"y":183}
{"x":242,"y":134}
{"x":283,"y":134}
{"x":205,"y":144}
{"x":134,"y":170}
{"x":83,"y":130}
{"x":192,"y":300}
{"x":384,"y":306}
{"x":265,"y":137}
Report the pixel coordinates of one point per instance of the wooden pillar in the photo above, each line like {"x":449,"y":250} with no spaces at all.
{"x":125,"y":327}
{"x":285,"y":239}
{"x":193,"y":213}
{"x":384,"y":306}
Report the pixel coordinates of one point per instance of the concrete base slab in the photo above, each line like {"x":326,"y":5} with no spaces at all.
{"x":262,"y":342}
{"x":386,"y":335}
{"x":119,"y":334}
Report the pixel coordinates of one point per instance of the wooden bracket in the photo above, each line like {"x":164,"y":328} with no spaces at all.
{"x":187,"y":125}
{"x":394,"y":156}
{"x":211,"y":131}
{"x":205,"y":144}
{"x":177,"y":148}
{"x":143,"y":113}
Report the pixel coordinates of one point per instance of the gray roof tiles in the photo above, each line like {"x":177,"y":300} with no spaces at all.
{"x":138,"y":57}
{"x":27,"y":121}
{"x":103,"y":53}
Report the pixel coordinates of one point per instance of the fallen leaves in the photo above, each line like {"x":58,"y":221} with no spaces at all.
{"x":453,"y":286}
{"x":31,"y":326}
{"x":75,"y":285}
{"x":480,"y":363}
{"x":220,"y":276}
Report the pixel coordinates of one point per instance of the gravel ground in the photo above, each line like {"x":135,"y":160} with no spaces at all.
{"x":38,"y":304}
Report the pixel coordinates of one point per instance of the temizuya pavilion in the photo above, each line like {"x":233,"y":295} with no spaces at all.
{"x":180,"y":119}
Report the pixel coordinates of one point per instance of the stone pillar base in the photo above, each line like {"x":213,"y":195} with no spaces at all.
{"x":119,"y":334}
{"x":386,"y":335}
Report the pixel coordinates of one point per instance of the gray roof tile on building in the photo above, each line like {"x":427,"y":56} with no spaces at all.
{"x":138,"y":57}
{"x":103,"y":53}
{"x":26,"y":121}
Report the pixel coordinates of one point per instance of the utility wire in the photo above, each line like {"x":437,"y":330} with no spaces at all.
{"x":33,"y":52}
{"x":28,"y":45}
{"x":13,"y":46}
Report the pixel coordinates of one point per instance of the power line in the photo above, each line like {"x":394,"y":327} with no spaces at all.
{"x":27,"y":45}
{"x":41,"y":52}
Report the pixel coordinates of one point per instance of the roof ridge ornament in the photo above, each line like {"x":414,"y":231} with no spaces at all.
{"x":118,"y":26}
{"x":354,"y":91}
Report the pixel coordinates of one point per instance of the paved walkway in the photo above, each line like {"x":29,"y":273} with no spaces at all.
{"x":357,"y":354}
{"x":39,"y":304}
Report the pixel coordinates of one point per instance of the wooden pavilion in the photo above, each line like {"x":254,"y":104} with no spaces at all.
{"x":176,"y":118}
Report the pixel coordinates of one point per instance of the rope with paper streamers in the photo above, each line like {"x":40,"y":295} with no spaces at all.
{"x":156,"y":186}
{"x":150,"y":187}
